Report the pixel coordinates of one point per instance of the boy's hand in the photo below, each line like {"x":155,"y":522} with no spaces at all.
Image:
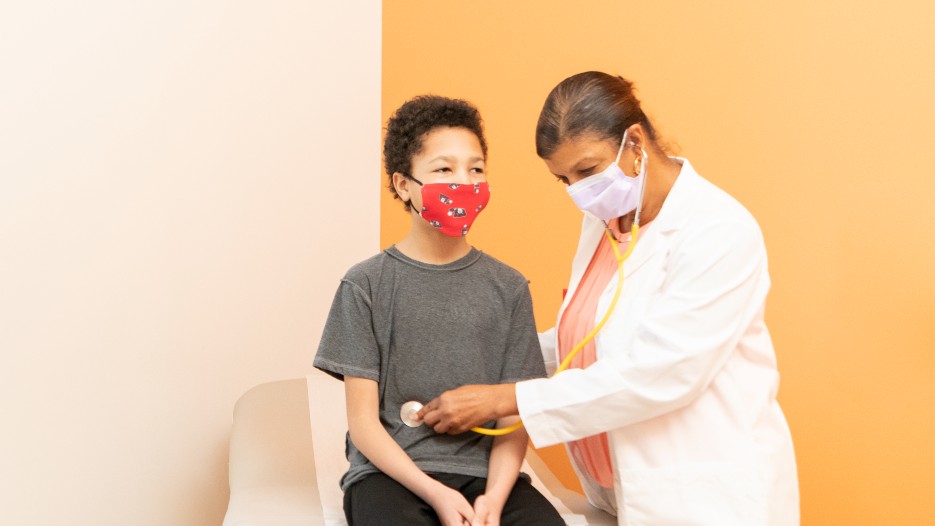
{"x":452,"y":508}
{"x":486,"y":513}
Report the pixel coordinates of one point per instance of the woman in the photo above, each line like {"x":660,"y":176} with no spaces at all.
{"x":670,"y":414}
{"x":429,"y":313}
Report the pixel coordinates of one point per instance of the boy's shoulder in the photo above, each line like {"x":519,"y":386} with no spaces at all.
{"x":367,"y":269}
{"x":501,"y":269}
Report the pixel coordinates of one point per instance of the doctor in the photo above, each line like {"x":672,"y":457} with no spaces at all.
{"x":669,"y":414}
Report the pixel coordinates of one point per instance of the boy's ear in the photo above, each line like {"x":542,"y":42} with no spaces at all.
{"x":401,"y":184}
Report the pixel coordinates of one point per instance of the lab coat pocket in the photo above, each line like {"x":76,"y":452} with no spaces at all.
{"x":715,"y":494}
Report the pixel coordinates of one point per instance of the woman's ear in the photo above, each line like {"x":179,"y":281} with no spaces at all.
{"x":636,"y":137}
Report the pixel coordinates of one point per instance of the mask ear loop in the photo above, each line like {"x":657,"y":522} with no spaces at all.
{"x":407,"y":176}
{"x":639,"y":204}
{"x":622,"y":144}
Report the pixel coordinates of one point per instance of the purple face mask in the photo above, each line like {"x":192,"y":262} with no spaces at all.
{"x":610,"y":193}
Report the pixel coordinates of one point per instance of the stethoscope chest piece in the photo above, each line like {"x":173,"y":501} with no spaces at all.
{"x":408,"y":413}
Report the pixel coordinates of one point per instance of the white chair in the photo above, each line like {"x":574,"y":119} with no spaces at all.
{"x":287,"y":455}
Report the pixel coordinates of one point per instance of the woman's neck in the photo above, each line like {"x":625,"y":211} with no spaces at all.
{"x":660,"y":178}
{"x":426,"y":244}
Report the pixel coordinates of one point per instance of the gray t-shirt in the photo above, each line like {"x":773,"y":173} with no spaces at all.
{"x":419,"y":330}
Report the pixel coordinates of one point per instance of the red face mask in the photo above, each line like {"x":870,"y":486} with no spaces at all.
{"x":452,"y":208}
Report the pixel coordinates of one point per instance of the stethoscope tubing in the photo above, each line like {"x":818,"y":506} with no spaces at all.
{"x":597,"y":328}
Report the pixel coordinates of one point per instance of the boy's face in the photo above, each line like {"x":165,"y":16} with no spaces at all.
{"x":449,"y":155}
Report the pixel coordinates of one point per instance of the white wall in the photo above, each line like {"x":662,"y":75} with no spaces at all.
{"x":173,"y":221}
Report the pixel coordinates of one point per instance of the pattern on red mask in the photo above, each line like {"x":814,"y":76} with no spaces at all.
{"x":452,"y":207}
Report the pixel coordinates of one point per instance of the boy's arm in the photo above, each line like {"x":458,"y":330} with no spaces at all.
{"x":375,"y":443}
{"x":506,"y":458}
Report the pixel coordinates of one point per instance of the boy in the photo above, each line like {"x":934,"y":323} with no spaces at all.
{"x":426,"y":315}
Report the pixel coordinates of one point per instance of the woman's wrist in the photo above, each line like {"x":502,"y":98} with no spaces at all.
{"x":506,"y":400}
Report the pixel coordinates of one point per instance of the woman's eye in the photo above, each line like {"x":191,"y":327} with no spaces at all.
{"x":586,"y":171}
{"x":562,"y":179}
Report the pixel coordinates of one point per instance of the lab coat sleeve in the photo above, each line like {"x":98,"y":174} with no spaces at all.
{"x":548,"y":343}
{"x":715,"y":285}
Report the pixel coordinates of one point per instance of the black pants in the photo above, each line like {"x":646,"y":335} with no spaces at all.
{"x":378,"y":500}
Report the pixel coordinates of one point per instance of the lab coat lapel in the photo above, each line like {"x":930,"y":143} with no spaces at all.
{"x":675,"y":211}
{"x":646,"y":246}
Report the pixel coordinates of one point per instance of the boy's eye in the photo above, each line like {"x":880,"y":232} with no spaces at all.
{"x":443,"y":169}
{"x":477,"y":170}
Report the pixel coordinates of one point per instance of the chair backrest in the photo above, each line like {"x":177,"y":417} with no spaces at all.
{"x":271,"y":437}
{"x":272,"y":466}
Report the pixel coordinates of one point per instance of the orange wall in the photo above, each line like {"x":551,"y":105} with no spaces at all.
{"x":820,"y":120}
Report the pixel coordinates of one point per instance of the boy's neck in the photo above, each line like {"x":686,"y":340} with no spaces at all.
{"x":425,"y":244}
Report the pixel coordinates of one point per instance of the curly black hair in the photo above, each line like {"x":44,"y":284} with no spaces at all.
{"x":407,"y":127}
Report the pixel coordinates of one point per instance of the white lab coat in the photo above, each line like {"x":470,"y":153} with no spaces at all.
{"x":685,"y":379}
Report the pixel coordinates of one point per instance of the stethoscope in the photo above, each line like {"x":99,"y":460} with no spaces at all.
{"x":408,"y":412}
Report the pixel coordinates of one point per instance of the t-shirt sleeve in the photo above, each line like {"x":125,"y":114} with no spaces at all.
{"x":523,"y":354}
{"x":348,"y":346}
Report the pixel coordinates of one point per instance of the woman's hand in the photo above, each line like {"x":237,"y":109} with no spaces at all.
{"x":460,"y":409}
{"x":451,"y":507}
{"x":486,"y":512}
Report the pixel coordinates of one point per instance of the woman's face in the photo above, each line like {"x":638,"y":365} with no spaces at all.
{"x":586,"y":155}
{"x":449,"y":155}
